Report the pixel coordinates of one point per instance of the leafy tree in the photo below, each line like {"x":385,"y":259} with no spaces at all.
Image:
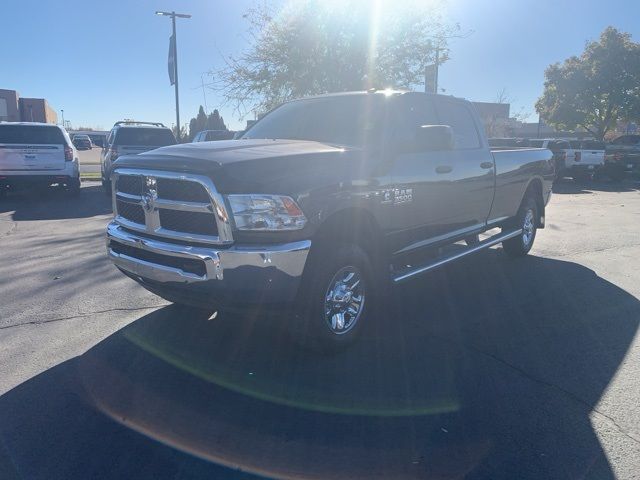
{"x":203,"y":122}
{"x":596,"y":89}
{"x":314,"y":47}
{"x":215,"y":121}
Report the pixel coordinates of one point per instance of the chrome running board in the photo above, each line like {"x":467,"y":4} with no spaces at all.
{"x":438,"y":262}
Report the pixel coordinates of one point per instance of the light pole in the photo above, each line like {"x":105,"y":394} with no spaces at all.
{"x":62,"y":111}
{"x":173,"y":16}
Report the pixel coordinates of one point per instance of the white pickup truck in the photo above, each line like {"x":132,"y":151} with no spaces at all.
{"x":37,"y":154}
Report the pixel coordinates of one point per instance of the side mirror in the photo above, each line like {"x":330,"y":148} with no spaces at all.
{"x":433,"y":138}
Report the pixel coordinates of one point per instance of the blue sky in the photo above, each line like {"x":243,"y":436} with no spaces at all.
{"x":102,"y":61}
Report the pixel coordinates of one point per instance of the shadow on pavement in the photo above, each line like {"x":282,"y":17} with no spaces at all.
{"x":487,"y":369}
{"x":567,"y":186}
{"x":55,"y":203}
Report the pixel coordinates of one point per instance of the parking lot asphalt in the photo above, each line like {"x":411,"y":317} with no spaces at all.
{"x":490,"y":368}
{"x":89,"y":160}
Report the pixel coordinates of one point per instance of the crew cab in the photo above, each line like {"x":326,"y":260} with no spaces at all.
{"x":37,"y":155}
{"x":322,"y":204}
{"x":130,"y":138}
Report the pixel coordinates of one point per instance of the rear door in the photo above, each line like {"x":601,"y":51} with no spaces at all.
{"x":26,"y":148}
{"x":471,"y":180}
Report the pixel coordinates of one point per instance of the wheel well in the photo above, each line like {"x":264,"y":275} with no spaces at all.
{"x":351,"y":225}
{"x":535,"y":189}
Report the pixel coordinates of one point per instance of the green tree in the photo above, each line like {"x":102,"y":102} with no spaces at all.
{"x":215,"y":121}
{"x":313,"y":47}
{"x":596,"y":89}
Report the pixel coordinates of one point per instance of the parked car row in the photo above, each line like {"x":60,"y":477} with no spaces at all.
{"x":585,"y":159}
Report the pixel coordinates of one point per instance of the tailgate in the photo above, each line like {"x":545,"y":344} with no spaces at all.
{"x":20,"y":158}
{"x":592,"y":157}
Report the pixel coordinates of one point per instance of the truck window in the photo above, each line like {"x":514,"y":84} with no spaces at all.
{"x":153,"y":137}
{"x":31,"y":135}
{"x":536,"y":143}
{"x":414,"y":112}
{"x":342,"y":120}
{"x":459,"y":118}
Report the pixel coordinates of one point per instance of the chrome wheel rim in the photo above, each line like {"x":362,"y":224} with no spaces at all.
{"x":344,"y":300}
{"x":528,"y":228}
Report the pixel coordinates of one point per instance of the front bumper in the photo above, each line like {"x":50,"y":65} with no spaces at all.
{"x":207,"y":275}
{"x":35,"y":180}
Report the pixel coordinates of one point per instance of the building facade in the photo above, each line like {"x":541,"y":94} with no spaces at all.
{"x":9,"y":111}
{"x":13,"y":108}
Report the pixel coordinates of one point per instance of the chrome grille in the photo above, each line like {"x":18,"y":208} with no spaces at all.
{"x":171,"y":189}
{"x":132,"y":212}
{"x":171,"y":205}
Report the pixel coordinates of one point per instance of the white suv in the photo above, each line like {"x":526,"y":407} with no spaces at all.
{"x":131,"y":138}
{"x":37,"y":154}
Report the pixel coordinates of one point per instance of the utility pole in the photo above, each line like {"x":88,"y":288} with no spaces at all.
{"x":437,"y":66}
{"x":173,"y":16}
{"x":204,"y":93}
{"x":62,"y":111}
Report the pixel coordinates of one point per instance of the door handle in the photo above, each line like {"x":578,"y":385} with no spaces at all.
{"x":443,"y":169}
{"x":486,"y":165}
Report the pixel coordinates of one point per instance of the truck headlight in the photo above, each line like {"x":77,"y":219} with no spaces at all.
{"x":269,"y":213}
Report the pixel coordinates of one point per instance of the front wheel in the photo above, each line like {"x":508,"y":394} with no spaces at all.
{"x":74,"y":187}
{"x":527,"y":221}
{"x":335,"y":299}
{"x":106,"y":186}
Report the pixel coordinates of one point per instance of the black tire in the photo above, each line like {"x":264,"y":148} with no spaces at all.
{"x":329,"y":270}
{"x":73,"y":188}
{"x":527,"y":220}
{"x":616,"y":174}
{"x":106,"y":187}
{"x":582,"y":178}
{"x":472,"y":240}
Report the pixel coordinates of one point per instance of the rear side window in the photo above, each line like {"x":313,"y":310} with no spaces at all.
{"x":536,"y":143}
{"x":31,"y":135}
{"x":153,"y":137}
{"x":576,"y":144}
{"x":627,"y":140}
{"x":459,"y":118}
{"x":219,"y":135}
{"x":593,"y":145}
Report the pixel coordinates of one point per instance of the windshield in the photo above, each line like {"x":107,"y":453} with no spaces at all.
{"x":153,"y":137}
{"x":31,"y":135}
{"x":341,"y":120}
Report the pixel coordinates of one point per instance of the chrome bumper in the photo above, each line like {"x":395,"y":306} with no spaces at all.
{"x":254,"y":270}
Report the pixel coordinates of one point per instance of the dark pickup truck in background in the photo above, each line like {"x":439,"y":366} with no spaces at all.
{"x":622,"y":157}
{"x":322,"y":204}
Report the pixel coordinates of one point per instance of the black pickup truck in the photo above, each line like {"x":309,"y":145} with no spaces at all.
{"x":322,"y":203}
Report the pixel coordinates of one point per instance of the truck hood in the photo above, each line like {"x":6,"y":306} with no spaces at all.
{"x":249,"y":165}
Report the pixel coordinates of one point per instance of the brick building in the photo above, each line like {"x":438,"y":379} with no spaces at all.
{"x":13,"y":108}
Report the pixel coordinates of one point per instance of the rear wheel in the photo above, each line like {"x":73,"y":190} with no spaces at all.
{"x":616,"y":174}
{"x":74,"y":187}
{"x":335,"y":299}
{"x":527,"y":221}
